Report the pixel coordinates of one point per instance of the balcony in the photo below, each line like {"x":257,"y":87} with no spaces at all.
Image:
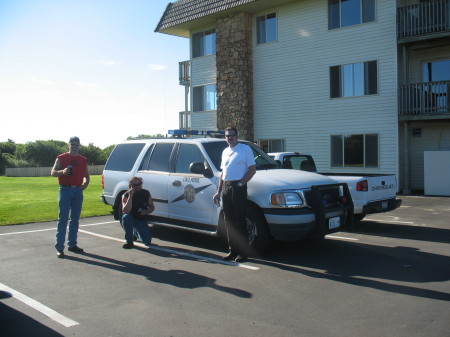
{"x":184,"y":120}
{"x":426,"y":100}
{"x":423,"y":21}
{"x":184,"y":72}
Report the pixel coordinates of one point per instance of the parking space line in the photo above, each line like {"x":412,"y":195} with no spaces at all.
{"x":50,"y":313}
{"x":54,"y":228}
{"x":341,"y":238}
{"x":172,"y":251}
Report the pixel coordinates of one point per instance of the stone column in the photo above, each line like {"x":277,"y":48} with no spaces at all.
{"x":235,"y":73}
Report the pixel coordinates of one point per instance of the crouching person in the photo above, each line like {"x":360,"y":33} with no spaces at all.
{"x":137,"y":204}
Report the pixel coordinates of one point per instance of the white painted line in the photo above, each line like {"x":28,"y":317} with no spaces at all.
{"x":341,"y":238}
{"x":171,"y":251}
{"x":52,"y":314}
{"x":392,"y":221}
{"x":54,"y":228}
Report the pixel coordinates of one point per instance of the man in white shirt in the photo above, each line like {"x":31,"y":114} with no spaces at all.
{"x":238,"y":167}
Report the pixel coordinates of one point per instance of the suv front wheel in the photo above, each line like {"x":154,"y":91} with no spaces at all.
{"x":259,"y":237}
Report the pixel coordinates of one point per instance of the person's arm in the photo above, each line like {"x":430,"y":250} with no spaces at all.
{"x":56,"y":170}
{"x":87,"y":179}
{"x":219,"y":188}
{"x":127,"y":201}
{"x":151,"y":206}
{"x":249,"y":175}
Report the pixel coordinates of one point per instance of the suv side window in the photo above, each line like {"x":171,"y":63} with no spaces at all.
{"x":145,"y":160}
{"x":160,"y":158}
{"x":123,"y":157}
{"x":187,"y":154}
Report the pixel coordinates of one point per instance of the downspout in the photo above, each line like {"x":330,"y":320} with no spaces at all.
{"x":407,"y":185}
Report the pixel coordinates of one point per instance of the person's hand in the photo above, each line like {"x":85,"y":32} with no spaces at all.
{"x":130,"y":192}
{"x":66,"y":172}
{"x":216,"y":196}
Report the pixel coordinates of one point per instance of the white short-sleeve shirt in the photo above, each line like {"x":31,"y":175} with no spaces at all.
{"x":236,"y":161}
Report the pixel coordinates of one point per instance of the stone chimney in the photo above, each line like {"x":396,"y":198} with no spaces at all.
{"x":235,"y":73}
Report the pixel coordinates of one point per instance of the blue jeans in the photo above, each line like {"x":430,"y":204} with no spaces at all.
{"x":143,"y":231}
{"x":70,"y":202}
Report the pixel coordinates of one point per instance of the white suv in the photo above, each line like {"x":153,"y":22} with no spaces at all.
{"x":182,"y":175}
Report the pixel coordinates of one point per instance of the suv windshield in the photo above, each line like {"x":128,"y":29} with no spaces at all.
{"x":262,"y":159}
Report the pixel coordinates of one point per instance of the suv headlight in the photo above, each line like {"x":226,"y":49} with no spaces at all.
{"x":286,"y":199}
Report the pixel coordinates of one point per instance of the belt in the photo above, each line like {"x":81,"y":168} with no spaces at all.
{"x":231,"y":182}
{"x":72,"y":186}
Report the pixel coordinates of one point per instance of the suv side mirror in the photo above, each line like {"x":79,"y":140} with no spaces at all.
{"x":200,"y":168}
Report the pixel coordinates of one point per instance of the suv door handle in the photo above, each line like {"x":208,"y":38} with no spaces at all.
{"x":176,"y":183}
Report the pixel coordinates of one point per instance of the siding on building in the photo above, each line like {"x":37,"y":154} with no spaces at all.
{"x":435,"y":136}
{"x":419,"y":55}
{"x":291,"y":82}
{"x":203,"y":72}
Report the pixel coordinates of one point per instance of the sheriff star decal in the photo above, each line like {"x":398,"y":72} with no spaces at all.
{"x":190,"y":192}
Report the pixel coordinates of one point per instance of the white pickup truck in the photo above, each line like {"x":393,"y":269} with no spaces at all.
{"x":182,"y":176}
{"x":371,"y":193}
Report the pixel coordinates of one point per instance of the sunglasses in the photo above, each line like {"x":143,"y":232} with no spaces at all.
{"x":228,"y":136}
{"x":73,"y":144}
{"x":136,"y":185}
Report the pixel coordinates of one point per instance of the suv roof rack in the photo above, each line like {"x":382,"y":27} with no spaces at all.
{"x":180,"y":133}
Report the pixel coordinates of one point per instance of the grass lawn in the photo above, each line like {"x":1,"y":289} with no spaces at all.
{"x":35,"y":199}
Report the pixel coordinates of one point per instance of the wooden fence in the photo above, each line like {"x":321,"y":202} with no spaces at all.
{"x":44,"y":171}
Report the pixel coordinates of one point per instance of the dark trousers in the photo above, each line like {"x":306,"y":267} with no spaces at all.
{"x":234,"y":201}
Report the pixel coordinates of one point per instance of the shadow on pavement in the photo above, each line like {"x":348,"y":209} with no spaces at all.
{"x":403,"y":231}
{"x":177,"y":277}
{"x":14,"y":323}
{"x":363,"y":265}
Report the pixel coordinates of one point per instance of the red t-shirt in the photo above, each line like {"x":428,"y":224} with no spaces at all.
{"x":78,"y":164}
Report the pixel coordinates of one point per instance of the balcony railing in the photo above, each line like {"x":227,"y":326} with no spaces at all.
{"x":425,"y":18}
{"x":427,"y":98}
{"x":184,"y":69}
{"x":184,"y":120}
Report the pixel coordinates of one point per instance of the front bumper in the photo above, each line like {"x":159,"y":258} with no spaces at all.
{"x":321,"y":219}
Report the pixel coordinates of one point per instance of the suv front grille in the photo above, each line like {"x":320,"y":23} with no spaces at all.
{"x":328,"y":197}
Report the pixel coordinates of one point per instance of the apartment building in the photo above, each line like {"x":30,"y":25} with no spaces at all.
{"x":363,"y":85}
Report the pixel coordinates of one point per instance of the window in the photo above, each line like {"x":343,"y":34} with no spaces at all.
{"x":343,"y":13}
{"x":123,"y":157}
{"x":145,"y":160}
{"x":436,"y":71}
{"x":266,"y":28}
{"x":355,"y":79}
{"x":187,"y":154}
{"x":204,"y":98}
{"x":204,"y":43}
{"x":354,"y":150}
{"x":161,"y":157}
{"x":271,"y":145}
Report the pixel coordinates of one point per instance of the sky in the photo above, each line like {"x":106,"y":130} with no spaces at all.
{"x":88,"y":68}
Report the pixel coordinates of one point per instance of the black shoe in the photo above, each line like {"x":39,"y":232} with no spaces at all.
{"x":60,"y":254}
{"x":229,"y":257}
{"x":240,"y":258}
{"x":76,"y":249}
{"x":128,"y":245}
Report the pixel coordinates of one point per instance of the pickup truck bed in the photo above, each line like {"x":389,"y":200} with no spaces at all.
{"x":371,"y":193}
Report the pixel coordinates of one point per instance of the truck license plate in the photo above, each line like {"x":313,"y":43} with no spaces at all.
{"x":334,"y":222}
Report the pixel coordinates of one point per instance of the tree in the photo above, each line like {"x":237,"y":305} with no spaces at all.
{"x":8,"y":147}
{"x":93,"y":154}
{"x":44,"y":152}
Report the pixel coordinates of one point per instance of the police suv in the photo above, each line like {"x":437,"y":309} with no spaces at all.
{"x":182,"y":175}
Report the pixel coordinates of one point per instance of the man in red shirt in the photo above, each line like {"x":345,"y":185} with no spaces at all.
{"x":73,"y":177}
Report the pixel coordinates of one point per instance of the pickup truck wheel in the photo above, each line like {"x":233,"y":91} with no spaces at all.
{"x":259,"y":238}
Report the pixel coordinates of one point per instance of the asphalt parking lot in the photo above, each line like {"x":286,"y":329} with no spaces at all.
{"x":389,"y":277}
